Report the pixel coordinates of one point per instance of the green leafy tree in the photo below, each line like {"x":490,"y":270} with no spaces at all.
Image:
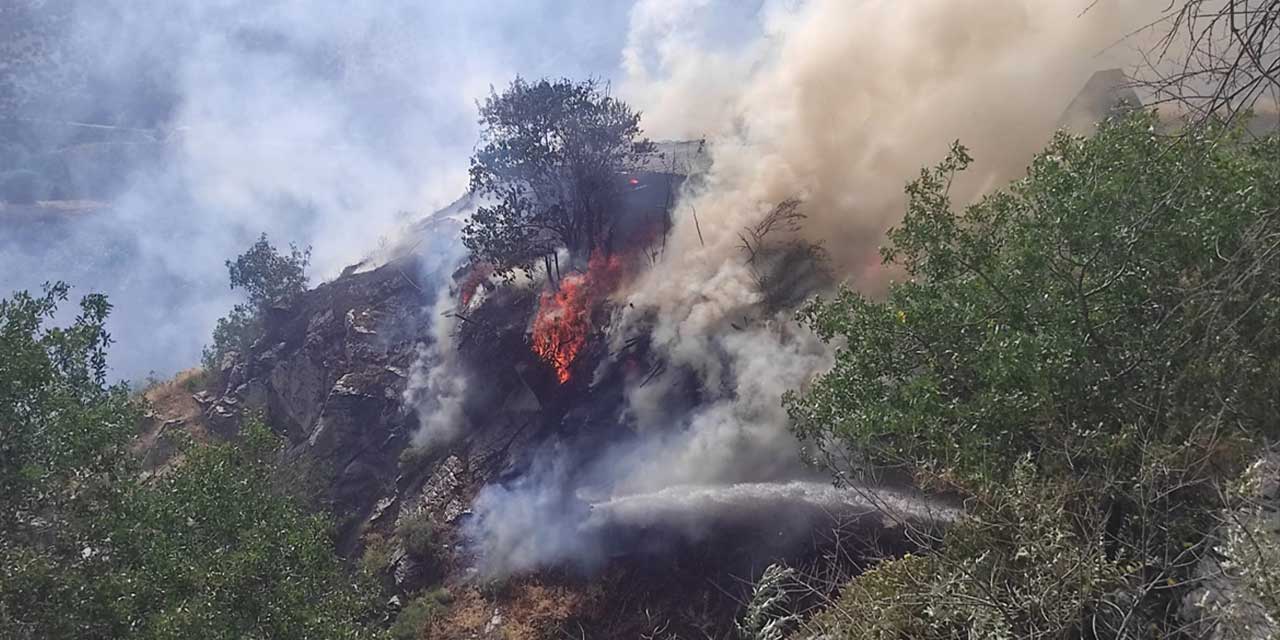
{"x":551,"y":159}
{"x":234,"y":333}
{"x":1111,"y":319}
{"x":60,"y":424}
{"x":88,"y":549}
{"x":1125,"y":292}
{"x":204,"y":551}
{"x":268,"y":278}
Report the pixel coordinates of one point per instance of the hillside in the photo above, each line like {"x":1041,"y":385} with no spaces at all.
{"x":806,"y":321}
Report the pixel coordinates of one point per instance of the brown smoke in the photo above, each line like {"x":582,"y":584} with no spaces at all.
{"x":843,"y":101}
{"x":840,"y":103}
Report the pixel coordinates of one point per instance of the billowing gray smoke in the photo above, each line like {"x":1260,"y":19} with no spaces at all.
{"x":318,"y":123}
{"x":833,"y":102}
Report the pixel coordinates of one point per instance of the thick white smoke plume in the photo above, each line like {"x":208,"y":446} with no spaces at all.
{"x":438,"y":384}
{"x":837,"y":103}
{"x":316,"y":122}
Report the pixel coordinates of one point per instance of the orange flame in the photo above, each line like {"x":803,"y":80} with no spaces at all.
{"x":563,"y":323}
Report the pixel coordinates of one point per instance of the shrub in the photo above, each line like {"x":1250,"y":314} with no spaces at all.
{"x":570,"y":139}
{"x":234,"y":333}
{"x":269,"y":276}
{"x":421,"y":611}
{"x":1100,"y":336}
{"x":413,"y":457}
{"x":377,"y":555}
{"x":196,"y":380}
{"x":418,"y":535}
{"x":1017,"y":567}
{"x":87,"y":551}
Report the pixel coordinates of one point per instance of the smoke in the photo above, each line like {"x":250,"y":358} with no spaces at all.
{"x":317,"y":123}
{"x":838,"y":104}
{"x":537,"y":520}
{"x":437,"y":386}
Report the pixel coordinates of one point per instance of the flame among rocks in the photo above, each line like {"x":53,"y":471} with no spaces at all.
{"x":563,"y":322}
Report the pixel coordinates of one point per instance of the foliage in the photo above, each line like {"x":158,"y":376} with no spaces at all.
{"x":377,"y":555}
{"x":206,"y":552}
{"x":414,"y":457}
{"x":61,"y":426}
{"x":195,"y":380}
{"x":89,"y":551}
{"x":767,"y":616}
{"x":550,"y":160}
{"x":1123,"y":294}
{"x":412,"y":622}
{"x":1018,"y":567}
{"x":418,"y":535}
{"x":1113,"y":320}
{"x":234,"y":333}
{"x":786,"y":269}
{"x":1245,"y":601}
{"x":269,"y":278}
{"x":1216,"y":59}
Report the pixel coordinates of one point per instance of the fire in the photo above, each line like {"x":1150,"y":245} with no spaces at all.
{"x":474,"y":279}
{"x":563,"y":323}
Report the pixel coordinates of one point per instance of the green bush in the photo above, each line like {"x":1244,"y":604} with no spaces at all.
{"x":269,"y":276}
{"x":197,"y":380}
{"x":234,"y":333}
{"x":1121,"y":295}
{"x":412,"y":621}
{"x":205,"y":550}
{"x":1101,"y":336}
{"x":413,"y":457}
{"x":1017,"y":567}
{"x":376,"y":556}
{"x":418,"y":535}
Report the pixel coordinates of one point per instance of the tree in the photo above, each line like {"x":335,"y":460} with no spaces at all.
{"x":1107,"y":324}
{"x":88,"y":550}
{"x":1216,"y":58}
{"x":551,"y":159}
{"x":269,"y":278}
{"x":59,"y":421}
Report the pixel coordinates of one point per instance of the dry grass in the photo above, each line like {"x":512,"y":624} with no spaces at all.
{"x":170,"y":403}
{"x":530,"y":609}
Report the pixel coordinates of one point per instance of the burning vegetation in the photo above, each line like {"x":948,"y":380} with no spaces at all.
{"x":1066,"y":404}
{"x":564,"y":318}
